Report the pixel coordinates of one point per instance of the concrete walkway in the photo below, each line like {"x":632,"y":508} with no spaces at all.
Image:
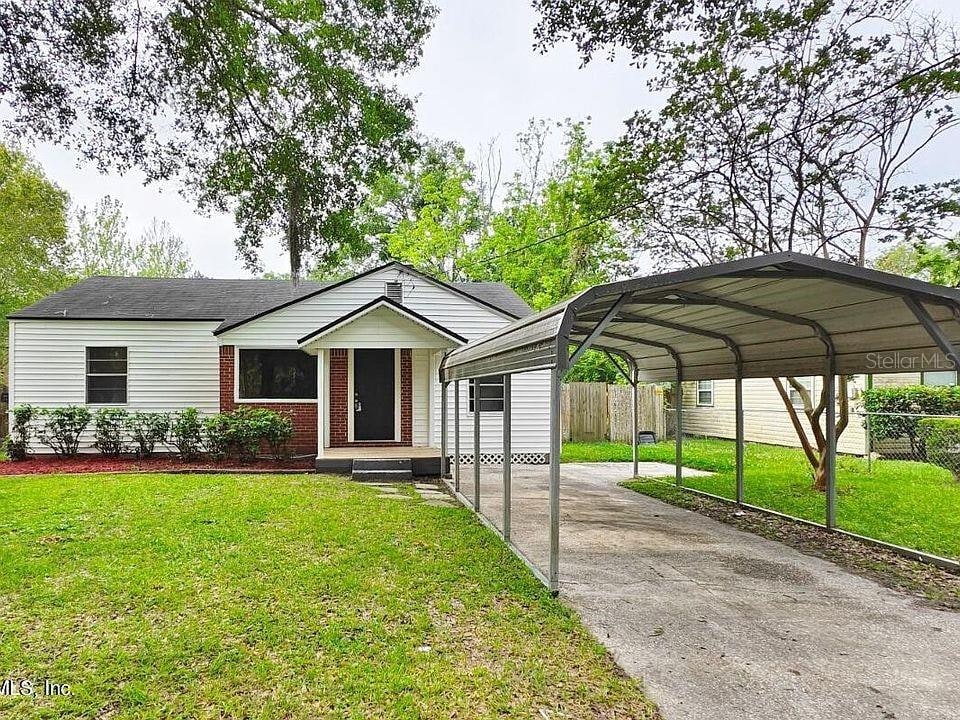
{"x":724,"y":624}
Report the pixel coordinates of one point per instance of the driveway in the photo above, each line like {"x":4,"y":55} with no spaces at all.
{"x":719,"y":623}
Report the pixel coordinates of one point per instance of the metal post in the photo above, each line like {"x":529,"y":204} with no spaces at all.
{"x":444,"y":470}
{"x":634,"y":421}
{"x":476,"y":444}
{"x":456,"y":435}
{"x":554,"y":575}
{"x":739,"y":422}
{"x":679,"y":448}
{"x":868,"y":440}
{"x":830,"y":450}
{"x":507,"y":452}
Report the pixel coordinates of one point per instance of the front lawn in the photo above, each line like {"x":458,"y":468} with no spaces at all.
{"x":907,"y":503}
{"x":286,"y":596}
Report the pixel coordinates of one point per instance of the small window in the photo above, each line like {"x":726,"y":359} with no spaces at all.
{"x":491,"y":393}
{"x":704,"y":393}
{"x":939,"y":378}
{"x":394,"y":291}
{"x":795,"y":398}
{"x":106,"y":375}
{"x":277,"y":375}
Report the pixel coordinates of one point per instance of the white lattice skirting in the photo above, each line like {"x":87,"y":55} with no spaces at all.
{"x":528,"y":458}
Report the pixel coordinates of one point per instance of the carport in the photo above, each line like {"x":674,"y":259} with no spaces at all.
{"x":771,"y":316}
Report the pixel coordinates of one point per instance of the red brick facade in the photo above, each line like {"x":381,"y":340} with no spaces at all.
{"x":304,"y":415}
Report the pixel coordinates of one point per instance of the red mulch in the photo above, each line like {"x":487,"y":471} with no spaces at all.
{"x":52,"y":464}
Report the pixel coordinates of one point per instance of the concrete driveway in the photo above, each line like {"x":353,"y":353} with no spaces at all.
{"x":719,"y":623}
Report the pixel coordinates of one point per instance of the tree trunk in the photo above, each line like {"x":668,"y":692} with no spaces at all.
{"x":294,"y":230}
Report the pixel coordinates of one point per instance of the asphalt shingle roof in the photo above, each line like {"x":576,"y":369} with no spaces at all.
{"x":229,"y":301}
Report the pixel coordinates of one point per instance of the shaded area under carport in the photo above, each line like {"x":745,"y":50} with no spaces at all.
{"x":724,"y":624}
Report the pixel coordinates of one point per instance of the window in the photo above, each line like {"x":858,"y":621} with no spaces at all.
{"x":704,"y":393}
{"x":277,"y":375}
{"x":394,"y":291}
{"x":795,"y":398}
{"x":491,"y":393}
{"x":106,"y":375}
{"x":943,"y":377}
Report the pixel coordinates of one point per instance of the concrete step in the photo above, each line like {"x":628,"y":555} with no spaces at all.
{"x":380,"y":470}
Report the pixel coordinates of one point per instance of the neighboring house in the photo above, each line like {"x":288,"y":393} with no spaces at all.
{"x":354,"y":363}
{"x":709,"y":407}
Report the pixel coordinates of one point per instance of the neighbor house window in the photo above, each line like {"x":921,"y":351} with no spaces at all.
{"x":491,"y":393}
{"x":106,"y":375}
{"x":795,"y":398}
{"x":394,"y":291}
{"x":944,"y":377}
{"x":277,"y":375}
{"x":704,"y":393}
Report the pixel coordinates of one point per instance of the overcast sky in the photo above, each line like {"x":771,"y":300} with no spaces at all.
{"x":480,"y":79}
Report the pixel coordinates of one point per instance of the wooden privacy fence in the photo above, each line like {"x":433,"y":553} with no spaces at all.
{"x":592,"y":412}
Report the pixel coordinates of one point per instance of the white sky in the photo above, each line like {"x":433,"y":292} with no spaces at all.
{"x":480,"y":79}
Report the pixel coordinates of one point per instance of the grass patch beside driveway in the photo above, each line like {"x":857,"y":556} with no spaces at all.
{"x":294,"y":596}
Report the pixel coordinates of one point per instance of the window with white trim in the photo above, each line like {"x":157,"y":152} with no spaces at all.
{"x":106,"y":375}
{"x":704,"y":393}
{"x":394,"y":291}
{"x":276,"y":375}
{"x":491,"y":393}
{"x":795,"y":399}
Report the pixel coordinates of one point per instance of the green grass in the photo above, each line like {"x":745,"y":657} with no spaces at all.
{"x":295,"y":596}
{"x":907,"y":503}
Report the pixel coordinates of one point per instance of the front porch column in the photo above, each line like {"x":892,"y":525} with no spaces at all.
{"x":321,"y":407}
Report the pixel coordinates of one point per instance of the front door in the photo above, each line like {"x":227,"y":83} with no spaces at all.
{"x":374,"y":395}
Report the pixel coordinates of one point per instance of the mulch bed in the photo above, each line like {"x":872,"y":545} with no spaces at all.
{"x":52,"y":464}
{"x":933,"y":585}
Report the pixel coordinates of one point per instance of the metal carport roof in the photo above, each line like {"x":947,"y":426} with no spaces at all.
{"x":768,"y":316}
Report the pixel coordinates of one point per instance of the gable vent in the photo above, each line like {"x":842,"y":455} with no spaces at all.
{"x":394,"y":291}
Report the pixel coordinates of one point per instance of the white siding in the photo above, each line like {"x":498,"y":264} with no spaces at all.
{"x":421,"y":409}
{"x":382,"y":328}
{"x":170,"y":365}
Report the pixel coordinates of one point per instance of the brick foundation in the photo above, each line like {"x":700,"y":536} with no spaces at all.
{"x":304,"y":415}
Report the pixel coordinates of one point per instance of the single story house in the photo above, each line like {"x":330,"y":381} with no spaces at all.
{"x":355,"y":363}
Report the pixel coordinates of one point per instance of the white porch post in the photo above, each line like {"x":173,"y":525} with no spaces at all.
{"x":321,"y":407}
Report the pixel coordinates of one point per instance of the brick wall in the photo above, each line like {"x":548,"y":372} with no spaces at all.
{"x":304,"y":415}
{"x":406,"y":397}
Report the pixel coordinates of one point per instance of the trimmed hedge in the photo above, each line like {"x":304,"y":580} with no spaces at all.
{"x":942,"y":438}
{"x":897,"y":406}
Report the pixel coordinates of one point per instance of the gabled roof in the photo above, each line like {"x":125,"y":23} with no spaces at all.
{"x":230,"y":302}
{"x":382,"y":302}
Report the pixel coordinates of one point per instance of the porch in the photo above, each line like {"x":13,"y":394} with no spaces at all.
{"x":381,"y":463}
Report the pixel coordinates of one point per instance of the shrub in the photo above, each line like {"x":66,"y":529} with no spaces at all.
{"x":18,"y":443}
{"x":61,"y":429}
{"x":942,"y":437}
{"x":148,"y":429}
{"x":217,"y":435}
{"x":110,"y":425}
{"x":896,"y":405}
{"x":186,"y":433}
{"x":246,"y":432}
{"x":278,"y":432}
{"x":253,"y":428}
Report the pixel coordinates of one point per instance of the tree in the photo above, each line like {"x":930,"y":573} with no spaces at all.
{"x":33,"y":232}
{"x":101,"y":246}
{"x":786,"y":126}
{"x":276,"y":111}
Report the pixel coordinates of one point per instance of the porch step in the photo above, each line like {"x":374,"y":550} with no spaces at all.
{"x":380,"y":470}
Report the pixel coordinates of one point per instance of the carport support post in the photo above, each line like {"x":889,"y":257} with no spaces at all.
{"x":679,"y":450}
{"x":507,"y":452}
{"x":554,"y":576}
{"x":830,"y":467}
{"x":476,"y":444}
{"x":444,"y":418}
{"x":456,"y":435}
{"x":634,"y":429}
{"x":739,"y":422}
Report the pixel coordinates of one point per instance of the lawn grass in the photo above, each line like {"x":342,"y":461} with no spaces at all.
{"x":907,"y":503}
{"x":289,"y":596}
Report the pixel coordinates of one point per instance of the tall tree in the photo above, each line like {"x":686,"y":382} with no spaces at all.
{"x":280,"y":112}
{"x":33,"y":237}
{"x":786,"y":126}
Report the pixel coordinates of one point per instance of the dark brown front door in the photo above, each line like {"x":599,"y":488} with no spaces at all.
{"x":374,"y":395}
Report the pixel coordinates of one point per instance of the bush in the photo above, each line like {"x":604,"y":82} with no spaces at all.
{"x":245,"y":431}
{"x":277,"y":432}
{"x":61,"y":429}
{"x":186,"y":433}
{"x":148,"y":429}
{"x":110,"y":426}
{"x":901,"y":403}
{"x":217,"y":435}
{"x":18,"y":444}
{"x":942,"y":438}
